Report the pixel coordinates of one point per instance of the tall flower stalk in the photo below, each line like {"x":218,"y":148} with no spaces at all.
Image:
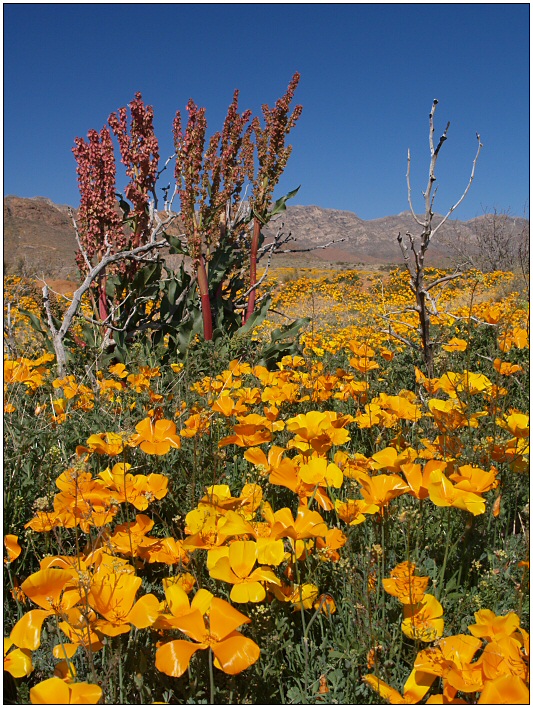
{"x":272,"y":157}
{"x":208,"y":183}
{"x":101,"y":228}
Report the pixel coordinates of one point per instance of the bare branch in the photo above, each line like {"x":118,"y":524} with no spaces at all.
{"x":78,"y":240}
{"x":444,"y":279}
{"x":313,"y":248}
{"x":397,"y":336}
{"x":454,"y":207}
{"x":409,"y":199}
{"x":59,"y":335}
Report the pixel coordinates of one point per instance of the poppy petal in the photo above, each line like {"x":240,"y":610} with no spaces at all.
{"x":26,"y":634}
{"x":144,"y":612}
{"x":51,"y":691}
{"x":235,"y":654}
{"x":173,"y":658}
{"x":225,"y":618}
{"x":83,"y":693}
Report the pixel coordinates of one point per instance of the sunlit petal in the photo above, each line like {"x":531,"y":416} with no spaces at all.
{"x":235,"y":654}
{"x":173,"y":658}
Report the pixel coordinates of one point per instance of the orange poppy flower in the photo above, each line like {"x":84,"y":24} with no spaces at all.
{"x":13,"y":548}
{"x":449,"y":415}
{"x":474,"y":479}
{"x":382,"y":489}
{"x":270,"y":548}
{"x":17,"y":662}
{"x":291,"y":362}
{"x":361,"y":349}
{"x":56,"y":692}
{"x":386,"y":354}
{"x":163,"y":550}
{"x":112,"y":595}
{"x":417,"y":480}
{"x":156,"y":438}
{"x":205,"y":528}
{"x":78,"y":627}
{"x":139,"y":490}
{"x":186,"y":581}
{"x":363,"y":364}
{"x":405,"y":585}
{"x":491,"y":627}
{"x":352,"y":389}
{"x":308,"y":524}
{"x":317,"y":431}
{"x":504,"y":657}
{"x":327,"y":546}
{"x":52,"y":590}
{"x":265,"y":464}
{"x":195,"y":424}
{"x":504,"y":368}
{"x":399,"y":407}
{"x":304,"y":596}
{"x":250,"y":431}
{"x":83,"y":501}
{"x":219,"y":497}
{"x":177,"y":605}
{"x":233,"y":652}
{"x":423,"y":620}
{"x":127,"y":537}
{"x":466,"y":382}
{"x":455,"y":345}
{"x":287,"y":474}
{"x":139,"y":382}
{"x":443,"y":493}
{"x":236,"y":568}
{"x":516,"y":423}
{"x":226,"y":405}
{"x":414,"y":690}
{"x":317,"y":471}
{"x":455,"y":652}
{"x":352,"y":511}
{"x":431,"y":385}
{"x":325,"y":604}
{"x":110,"y":444}
{"x":517,"y":337}
{"x":504,"y":690}
{"x":391,"y":460}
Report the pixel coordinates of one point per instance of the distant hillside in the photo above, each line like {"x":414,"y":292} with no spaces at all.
{"x":39,"y":237}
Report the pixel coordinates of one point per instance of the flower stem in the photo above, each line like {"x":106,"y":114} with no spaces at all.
{"x":211,"y":678}
{"x":446,"y":551}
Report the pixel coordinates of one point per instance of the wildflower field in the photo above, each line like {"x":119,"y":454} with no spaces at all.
{"x":245,"y":522}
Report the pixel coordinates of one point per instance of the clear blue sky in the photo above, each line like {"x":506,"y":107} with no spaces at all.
{"x":369,"y":75}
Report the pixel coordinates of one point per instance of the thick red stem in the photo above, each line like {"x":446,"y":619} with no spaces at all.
{"x":203,"y":286}
{"x":253,"y":268}
{"x":103,"y":307}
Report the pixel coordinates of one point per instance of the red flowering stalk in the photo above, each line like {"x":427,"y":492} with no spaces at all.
{"x":272,"y":156}
{"x":99,"y":221}
{"x":101,"y":226}
{"x":206,"y":183}
{"x":140,"y":154}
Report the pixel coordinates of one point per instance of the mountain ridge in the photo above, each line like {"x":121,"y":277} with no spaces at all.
{"x":39,"y":237}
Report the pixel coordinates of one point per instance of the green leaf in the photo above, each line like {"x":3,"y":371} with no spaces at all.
{"x":175,"y":245}
{"x":280,"y":205}
{"x":256,"y":317}
{"x":125,"y":207}
{"x":278,"y":347}
{"x":35,"y":321}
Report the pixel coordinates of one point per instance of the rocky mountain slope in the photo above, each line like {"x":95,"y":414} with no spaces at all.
{"x":39,"y":237}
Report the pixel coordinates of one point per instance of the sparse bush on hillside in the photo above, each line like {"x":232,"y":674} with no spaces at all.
{"x":499,"y":242}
